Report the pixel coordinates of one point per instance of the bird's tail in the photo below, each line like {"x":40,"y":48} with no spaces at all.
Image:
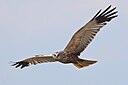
{"x":80,"y":63}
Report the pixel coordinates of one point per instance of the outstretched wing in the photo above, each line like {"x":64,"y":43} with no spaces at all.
{"x":34,"y":60}
{"x":84,"y":36}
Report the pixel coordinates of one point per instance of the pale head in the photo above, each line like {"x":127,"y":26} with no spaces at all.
{"x":58,"y":55}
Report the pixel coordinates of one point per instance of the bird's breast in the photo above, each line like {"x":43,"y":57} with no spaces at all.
{"x":67,"y":58}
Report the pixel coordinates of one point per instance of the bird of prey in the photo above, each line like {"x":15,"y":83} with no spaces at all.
{"x":77,"y":44}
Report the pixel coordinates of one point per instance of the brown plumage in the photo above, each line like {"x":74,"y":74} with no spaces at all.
{"x":34,"y":60}
{"x":77,"y":44}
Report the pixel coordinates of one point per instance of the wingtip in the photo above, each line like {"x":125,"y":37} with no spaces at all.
{"x":109,"y":7}
{"x":20,"y":64}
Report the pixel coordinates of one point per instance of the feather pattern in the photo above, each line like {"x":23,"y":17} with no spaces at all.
{"x":77,"y":44}
{"x":34,"y":60}
{"x":86,"y":34}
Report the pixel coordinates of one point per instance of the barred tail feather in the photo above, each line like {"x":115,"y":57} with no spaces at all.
{"x":83,"y":63}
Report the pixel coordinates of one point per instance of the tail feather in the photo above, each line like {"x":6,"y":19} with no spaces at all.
{"x":83,"y":63}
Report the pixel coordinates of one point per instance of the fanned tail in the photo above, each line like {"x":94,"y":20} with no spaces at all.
{"x":80,"y":63}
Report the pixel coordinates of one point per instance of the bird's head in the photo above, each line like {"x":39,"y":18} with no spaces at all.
{"x":55,"y":54}
{"x":58,"y":55}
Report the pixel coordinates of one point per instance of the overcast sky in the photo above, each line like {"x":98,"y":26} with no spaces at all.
{"x":30,"y":27}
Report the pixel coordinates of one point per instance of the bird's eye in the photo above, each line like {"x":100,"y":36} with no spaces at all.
{"x":54,"y":54}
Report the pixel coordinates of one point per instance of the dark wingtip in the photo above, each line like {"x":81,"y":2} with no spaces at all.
{"x":110,"y":5}
{"x":105,"y":10}
{"x":96,"y":14}
{"x":107,"y":15}
{"x":104,"y":13}
{"x":21,"y":63}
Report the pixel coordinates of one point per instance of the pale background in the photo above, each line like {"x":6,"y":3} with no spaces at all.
{"x":29,"y":27}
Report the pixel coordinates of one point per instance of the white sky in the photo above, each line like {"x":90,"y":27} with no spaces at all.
{"x":30,"y":27}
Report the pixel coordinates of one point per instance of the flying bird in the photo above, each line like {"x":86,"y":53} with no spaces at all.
{"x":79,"y":41}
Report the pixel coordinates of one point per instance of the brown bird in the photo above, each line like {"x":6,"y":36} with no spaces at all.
{"x":77,"y":44}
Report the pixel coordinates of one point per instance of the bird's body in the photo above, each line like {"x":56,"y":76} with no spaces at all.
{"x":77,"y":44}
{"x":66,"y":58}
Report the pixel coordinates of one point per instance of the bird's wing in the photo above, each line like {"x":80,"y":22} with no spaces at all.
{"x":84,"y":36}
{"x":34,"y":60}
